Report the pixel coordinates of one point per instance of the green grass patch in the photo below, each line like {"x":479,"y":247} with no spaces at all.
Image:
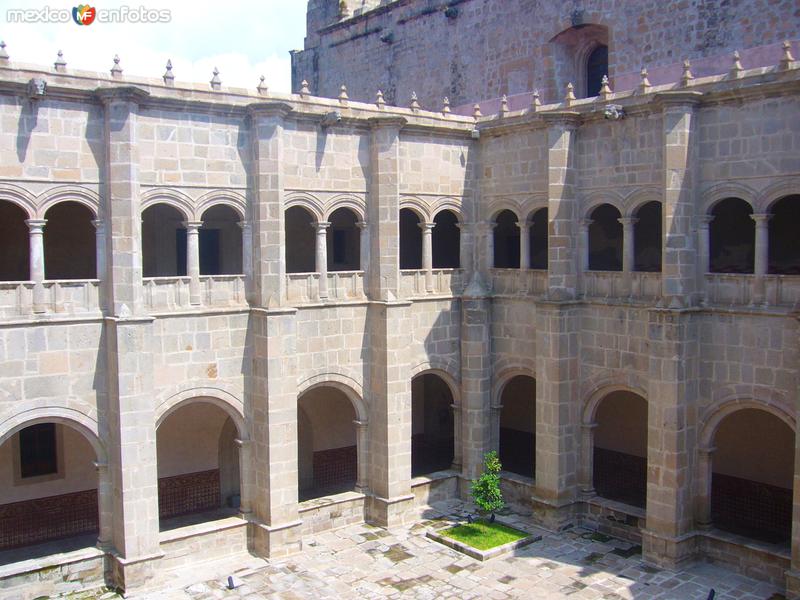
{"x":483,"y":535}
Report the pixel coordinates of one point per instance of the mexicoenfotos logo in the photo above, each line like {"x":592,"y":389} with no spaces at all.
{"x":84,"y":14}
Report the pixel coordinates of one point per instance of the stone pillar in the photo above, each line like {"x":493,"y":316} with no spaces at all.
{"x":427,"y":254}
{"x":667,"y":540}
{"x":246,"y":475}
{"x":363,"y":245}
{"x":562,"y":251}
{"x":702,"y":508}
{"x":193,"y":259}
{"x":486,"y":234}
{"x":457,"y":428}
{"x":362,"y":454}
{"x":583,"y":243}
{"x":558,"y":413}
{"x":36,"y":237}
{"x":586,"y":470}
{"x":247,"y":254}
{"x":680,"y":162}
{"x":704,"y":255}
{"x":100,"y":248}
{"x":104,"y":504}
{"x":129,"y":417}
{"x":628,"y":255}
{"x":761,"y":256}
{"x":524,"y":245}
{"x":321,"y":228}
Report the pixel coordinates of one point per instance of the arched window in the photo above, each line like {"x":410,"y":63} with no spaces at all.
{"x":596,"y":69}
{"x":70,"y":249}
{"x":410,"y":240}
{"x":300,"y":243}
{"x":784,"y":249}
{"x":446,"y":241}
{"x":506,"y":241}
{"x":732,"y":236}
{"x":647,"y":238}
{"x":605,"y":239}
{"x":14,"y":243}
{"x":163,"y":242}
{"x":344,"y":241}
{"x":220,"y":240}
{"x":538,"y":239}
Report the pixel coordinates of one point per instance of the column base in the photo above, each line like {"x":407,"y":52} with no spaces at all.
{"x":274,"y":541}
{"x":553,"y":515}
{"x":132,"y":575}
{"x":668,"y":552}
{"x":389,"y":512}
{"x":792,"y":585}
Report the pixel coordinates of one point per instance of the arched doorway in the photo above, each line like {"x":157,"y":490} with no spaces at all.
{"x":446,"y":241}
{"x":14,"y":243}
{"x":620,"y":448}
{"x":70,"y":249}
{"x":732,"y":237}
{"x":163,"y":242}
{"x":605,"y":239}
{"x":344,"y":241}
{"x":300,"y":243}
{"x":327,"y":443}
{"x":198,"y":464}
{"x":220,"y":241}
{"x":752,"y":476}
{"x":506,"y":241}
{"x":517,"y":437}
{"x":432,"y":424}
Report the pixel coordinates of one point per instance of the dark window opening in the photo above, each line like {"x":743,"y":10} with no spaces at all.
{"x":538,"y":239}
{"x":432,"y":425}
{"x":605,"y":239}
{"x":506,"y":241}
{"x":220,"y":242}
{"x":518,"y":426}
{"x":70,"y":249}
{"x":647,"y":238}
{"x":446,"y":241}
{"x":732,"y":237}
{"x":344,"y":241}
{"x":14,"y":243}
{"x":181,"y":249}
{"x":163,"y":242}
{"x":596,"y":69}
{"x":784,"y":249}
{"x":37,"y":450}
{"x":300,"y":243}
{"x":209,"y":251}
{"x":410,"y":240}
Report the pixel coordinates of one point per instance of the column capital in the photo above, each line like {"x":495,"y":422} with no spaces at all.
{"x":244,"y":225}
{"x":192,"y":226}
{"x":361,"y":424}
{"x":588,"y":426}
{"x":99,"y":225}
{"x":486,"y":226}
{"x":761,"y":219}
{"x":628,"y":221}
{"x":703,"y":221}
{"x":321,"y":226}
{"x":36,"y":225}
{"x":240,"y":443}
{"x":426,"y":227}
{"x":707,"y":451}
{"x":523,"y":225}
{"x":584,"y":223}
{"x":362,"y":224}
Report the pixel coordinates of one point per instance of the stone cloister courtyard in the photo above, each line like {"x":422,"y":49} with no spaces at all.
{"x":363,"y":561}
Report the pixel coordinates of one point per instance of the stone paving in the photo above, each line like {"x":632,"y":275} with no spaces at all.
{"x":362,"y":561}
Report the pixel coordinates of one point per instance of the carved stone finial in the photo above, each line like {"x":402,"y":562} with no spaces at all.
{"x":379,"y":101}
{"x":503,"y":106}
{"x":60,"y":64}
{"x":343,"y":97}
{"x":169,"y":78}
{"x":216,"y":82}
{"x":3,"y":53}
{"x":344,"y":10}
{"x":414,"y":102}
{"x":569,"y":97}
{"x":262,"y":87}
{"x":736,"y":67}
{"x":476,"y":111}
{"x":304,"y":91}
{"x":687,"y":77}
{"x":787,"y":60}
{"x":536,"y":101}
{"x":445,"y":105}
{"x":116,"y":70}
{"x":605,"y":89}
{"x":644,"y":84}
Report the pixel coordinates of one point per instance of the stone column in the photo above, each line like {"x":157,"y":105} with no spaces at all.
{"x":427,"y":254}
{"x":363,"y":245}
{"x":457,"y":428}
{"x":246,"y":475}
{"x":583,"y":242}
{"x":247,"y":256}
{"x":524,"y":245}
{"x":486,"y":262}
{"x":100,"y":248}
{"x":193,"y":259}
{"x":586,"y":470}
{"x":562,"y":252}
{"x":36,"y":237}
{"x":628,"y":255}
{"x":362,"y":454}
{"x":702,"y":510}
{"x":704,"y":255}
{"x":761,"y":256}
{"x":680,"y":163}
{"x":321,"y":228}
{"x":104,"y":503}
{"x":671,"y":417}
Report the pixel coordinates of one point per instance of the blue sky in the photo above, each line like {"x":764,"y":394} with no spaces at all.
{"x":244,"y":39}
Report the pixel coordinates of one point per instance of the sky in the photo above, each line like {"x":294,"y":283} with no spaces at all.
{"x":243,"y":39}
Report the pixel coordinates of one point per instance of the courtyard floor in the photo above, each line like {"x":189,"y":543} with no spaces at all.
{"x":362,"y":561}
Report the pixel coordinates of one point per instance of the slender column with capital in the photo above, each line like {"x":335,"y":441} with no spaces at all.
{"x":702,"y":514}
{"x":627,"y":252}
{"x":363,"y":245}
{"x":703,"y":254}
{"x":246,"y":475}
{"x":247,"y":256}
{"x":427,"y":254}
{"x":362,"y":456}
{"x":193,"y":259}
{"x":583,"y":243}
{"x":321,"y":228}
{"x":36,"y":237}
{"x":586,"y":469}
{"x":524,"y":245}
{"x":761,"y":256}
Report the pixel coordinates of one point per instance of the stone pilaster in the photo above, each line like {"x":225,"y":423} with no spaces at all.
{"x":679,"y":254}
{"x":667,"y":540}
{"x":558,"y":413}
{"x":562,"y":202}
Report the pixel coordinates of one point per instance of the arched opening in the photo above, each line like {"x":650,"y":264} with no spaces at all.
{"x":732,"y":237}
{"x":620,"y":448}
{"x":753,"y":471}
{"x":647,"y":238}
{"x":344,"y":241}
{"x":784,"y":251}
{"x":48,"y":491}
{"x":198,"y":465}
{"x":538,"y":239}
{"x":70,"y":249}
{"x":410,"y":240}
{"x":432,"y":425}
{"x":506,"y":241}
{"x":605,"y":239}
{"x":14,"y":243}
{"x":518,"y":426}
{"x":220,"y":241}
{"x":163,"y":242}
{"x":596,"y":69}
{"x":446,"y":241}
{"x":300,"y":243}
{"x":327,"y":444}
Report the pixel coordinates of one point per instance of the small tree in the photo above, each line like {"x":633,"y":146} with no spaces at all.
{"x":486,"y":488}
